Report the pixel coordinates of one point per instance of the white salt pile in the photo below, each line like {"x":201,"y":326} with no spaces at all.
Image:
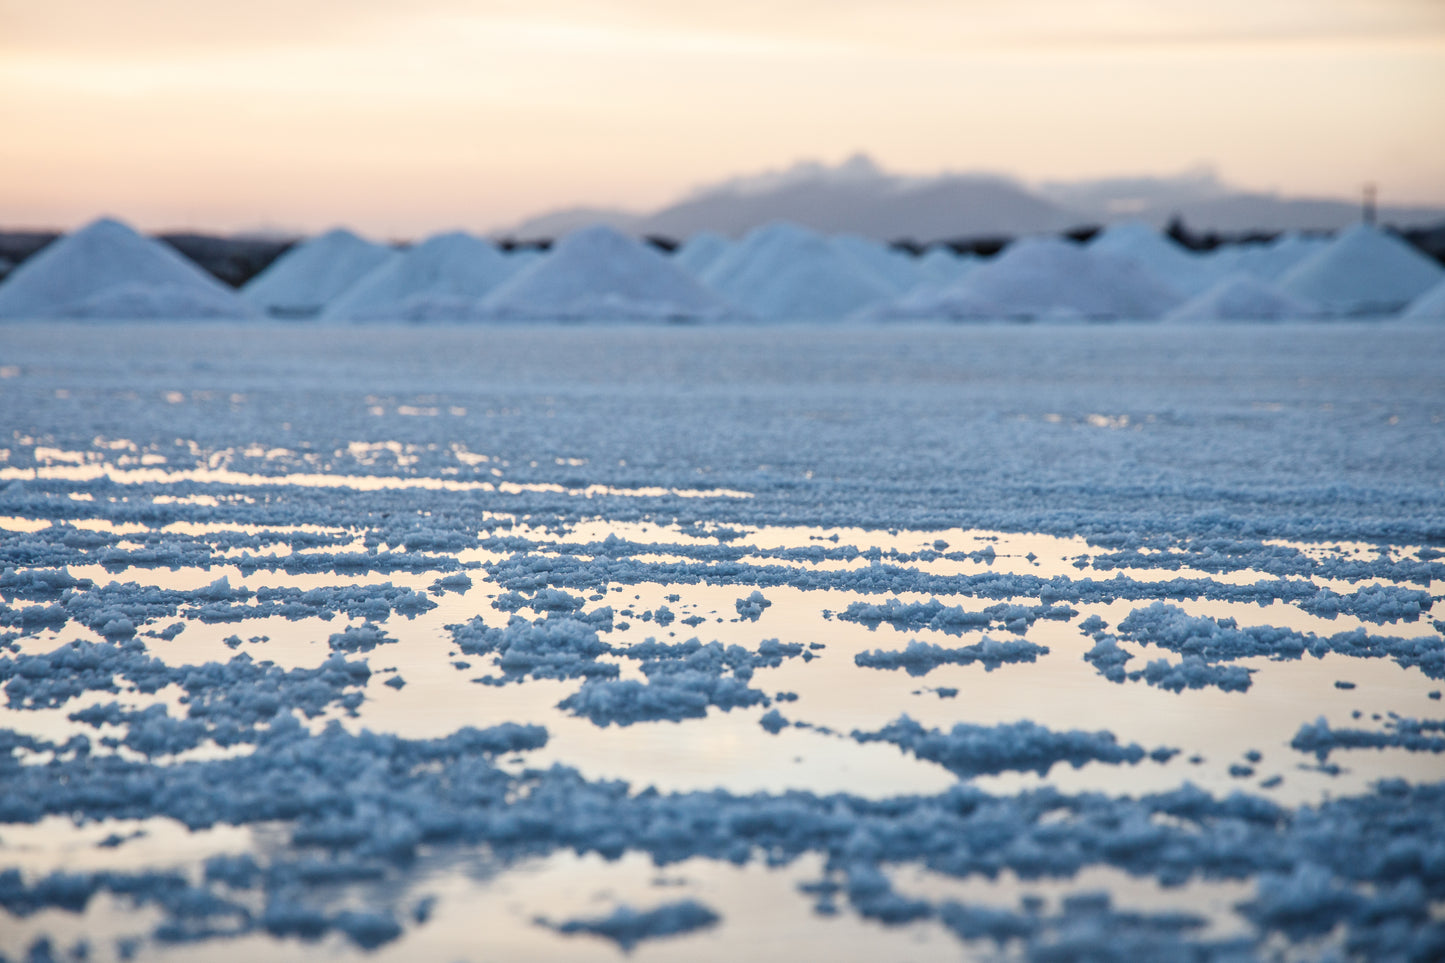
{"x":700,"y":252}
{"x":1364,"y":271}
{"x":941,"y":266}
{"x":1266,"y":261}
{"x":136,"y":301}
{"x":107,"y":270}
{"x":898,"y":268}
{"x":441,"y":278}
{"x":1243,"y":297}
{"x":1042,"y":278}
{"x":301,"y":282}
{"x":1183,"y":270}
{"x":600,"y":274}
{"x":1429,"y":306}
{"x":520,"y":257}
{"x":784,"y":272}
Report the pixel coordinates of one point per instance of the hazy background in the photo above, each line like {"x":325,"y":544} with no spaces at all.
{"x":404,"y":118}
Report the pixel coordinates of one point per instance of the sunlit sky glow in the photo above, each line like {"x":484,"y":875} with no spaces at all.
{"x":402,"y":118}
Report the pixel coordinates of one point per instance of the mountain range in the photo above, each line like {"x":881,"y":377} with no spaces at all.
{"x":857,"y":196}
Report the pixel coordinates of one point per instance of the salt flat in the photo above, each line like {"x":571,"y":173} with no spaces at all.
{"x":1035,"y":641}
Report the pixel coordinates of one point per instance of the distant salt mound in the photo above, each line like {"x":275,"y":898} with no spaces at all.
{"x":941,"y":266}
{"x":126,"y":302}
{"x":449,"y":269}
{"x":784,"y":272}
{"x":700,"y":252}
{"x":304,"y":280}
{"x":1181,"y":269}
{"x":1365,"y":271}
{"x":520,"y":257}
{"x":1429,"y":306}
{"x":1041,"y":278}
{"x":107,"y":270}
{"x":897,"y":268}
{"x":1242,"y":297}
{"x":1266,"y":261}
{"x":601,"y":274}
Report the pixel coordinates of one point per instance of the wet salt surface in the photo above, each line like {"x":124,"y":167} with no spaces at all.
{"x":1338,"y":535}
{"x":141,"y":476}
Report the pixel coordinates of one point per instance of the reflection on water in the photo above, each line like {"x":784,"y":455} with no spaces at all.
{"x":731,"y":751}
{"x":483,"y":913}
{"x":117,"y":844}
{"x":486,"y":911}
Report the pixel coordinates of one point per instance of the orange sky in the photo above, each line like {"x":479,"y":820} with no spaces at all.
{"x":404,"y":118}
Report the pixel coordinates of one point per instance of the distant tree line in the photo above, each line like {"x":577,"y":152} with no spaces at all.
{"x":16,"y":246}
{"x":236,"y":260}
{"x":233,"y":260}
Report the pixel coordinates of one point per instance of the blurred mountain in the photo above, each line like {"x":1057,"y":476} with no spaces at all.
{"x":855,"y":197}
{"x":858,"y":197}
{"x":1111,"y":198}
{"x":1208,"y":204}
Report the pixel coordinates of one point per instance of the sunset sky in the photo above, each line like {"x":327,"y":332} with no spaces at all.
{"x":402,"y":118}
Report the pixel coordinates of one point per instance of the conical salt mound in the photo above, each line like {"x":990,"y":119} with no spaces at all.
{"x":1264,"y":261}
{"x":433,"y":280}
{"x":783,"y":272}
{"x":107,"y":270}
{"x":1365,"y":271}
{"x":126,"y":302}
{"x":940,"y":266}
{"x":1042,"y":279}
{"x":1181,"y":269}
{"x":898,"y":269}
{"x":700,"y":252}
{"x":1429,"y":306}
{"x":301,"y":282}
{"x":1242,"y":297}
{"x":600,"y":274}
{"x":520,"y":257}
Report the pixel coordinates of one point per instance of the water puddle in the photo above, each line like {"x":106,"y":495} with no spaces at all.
{"x":1226,"y":741}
